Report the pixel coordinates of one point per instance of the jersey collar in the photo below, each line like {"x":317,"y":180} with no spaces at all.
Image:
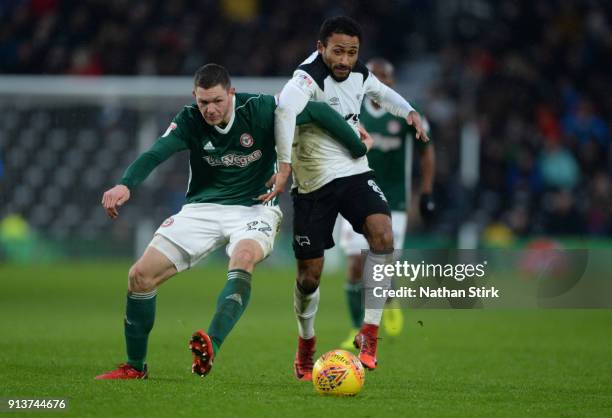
{"x":231,"y":121}
{"x":375,"y":113}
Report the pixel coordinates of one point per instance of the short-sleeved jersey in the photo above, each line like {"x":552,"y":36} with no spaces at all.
{"x":317,"y":158}
{"x":392,"y":154}
{"x":228,"y":166}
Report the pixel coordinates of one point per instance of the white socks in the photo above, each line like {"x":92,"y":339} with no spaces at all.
{"x":305,"y":307}
{"x":374,"y":306}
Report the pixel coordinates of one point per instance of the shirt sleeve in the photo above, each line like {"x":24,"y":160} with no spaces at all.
{"x":263,"y":107}
{"x":171,"y":142}
{"x":330,"y":120}
{"x":387,"y":97}
{"x":291,"y":101}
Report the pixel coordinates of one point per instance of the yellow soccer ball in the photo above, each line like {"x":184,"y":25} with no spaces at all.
{"x":339,"y":373}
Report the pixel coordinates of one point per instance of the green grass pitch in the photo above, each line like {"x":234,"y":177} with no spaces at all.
{"x":62,"y":324}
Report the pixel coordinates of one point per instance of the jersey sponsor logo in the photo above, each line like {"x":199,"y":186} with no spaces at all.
{"x":170,"y":129}
{"x":334,"y":101}
{"x":393,"y":127}
{"x":233,"y":159}
{"x":377,"y":189}
{"x":209,"y":146}
{"x":302,"y":240}
{"x":246,"y":140}
{"x":167,"y":222}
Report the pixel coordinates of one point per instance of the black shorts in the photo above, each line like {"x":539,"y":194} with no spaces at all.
{"x":314,"y":214}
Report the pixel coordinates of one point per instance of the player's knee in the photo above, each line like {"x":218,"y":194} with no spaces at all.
{"x":386,"y":243}
{"x":308,"y":284}
{"x":244,"y":259}
{"x":139,"y":281}
{"x":308,"y":278}
{"x":381,"y":240}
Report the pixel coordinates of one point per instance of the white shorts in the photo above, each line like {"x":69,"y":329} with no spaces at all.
{"x":200,"y":228}
{"x":353,"y":243}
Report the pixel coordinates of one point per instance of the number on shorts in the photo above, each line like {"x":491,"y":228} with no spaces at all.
{"x":261,"y":226}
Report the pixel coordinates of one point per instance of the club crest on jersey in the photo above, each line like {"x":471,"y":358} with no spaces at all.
{"x":246,"y":140}
{"x":170,"y":129}
{"x":393,"y":127}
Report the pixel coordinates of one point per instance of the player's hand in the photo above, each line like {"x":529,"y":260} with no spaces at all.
{"x":113,"y":198}
{"x":427,"y":207}
{"x":278,"y":182}
{"x":414,"y":119}
{"x":366,"y":138}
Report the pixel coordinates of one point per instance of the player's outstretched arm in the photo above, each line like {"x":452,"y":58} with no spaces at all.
{"x":395,"y":104}
{"x":414,"y":119}
{"x":138,"y":171}
{"x":113,"y":198}
{"x":330,"y":120}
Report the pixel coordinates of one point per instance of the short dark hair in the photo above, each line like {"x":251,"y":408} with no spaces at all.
{"x":210,"y":75}
{"x":339,"y":24}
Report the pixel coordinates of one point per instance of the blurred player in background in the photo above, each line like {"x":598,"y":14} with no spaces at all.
{"x":391,"y":159}
{"x":327,"y":181}
{"x":230,"y":137}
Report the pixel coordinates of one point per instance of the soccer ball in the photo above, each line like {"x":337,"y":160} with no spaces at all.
{"x":339,"y":373}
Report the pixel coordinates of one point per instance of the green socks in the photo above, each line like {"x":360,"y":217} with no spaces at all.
{"x":231,"y":303}
{"x":139,"y":318}
{"x":354,"y":297}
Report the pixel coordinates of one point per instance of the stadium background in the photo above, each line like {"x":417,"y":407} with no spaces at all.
{"x":520,"y":114}
{"x":518,"y":96}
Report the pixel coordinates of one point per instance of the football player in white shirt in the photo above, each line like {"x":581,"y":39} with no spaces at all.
{"x":328,"y":181}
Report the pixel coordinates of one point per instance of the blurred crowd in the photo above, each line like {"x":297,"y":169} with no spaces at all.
{"x":534,"y":76}
{"x":124,"y":37}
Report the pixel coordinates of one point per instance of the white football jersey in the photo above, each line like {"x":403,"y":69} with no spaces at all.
{"x":317,"y":158}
